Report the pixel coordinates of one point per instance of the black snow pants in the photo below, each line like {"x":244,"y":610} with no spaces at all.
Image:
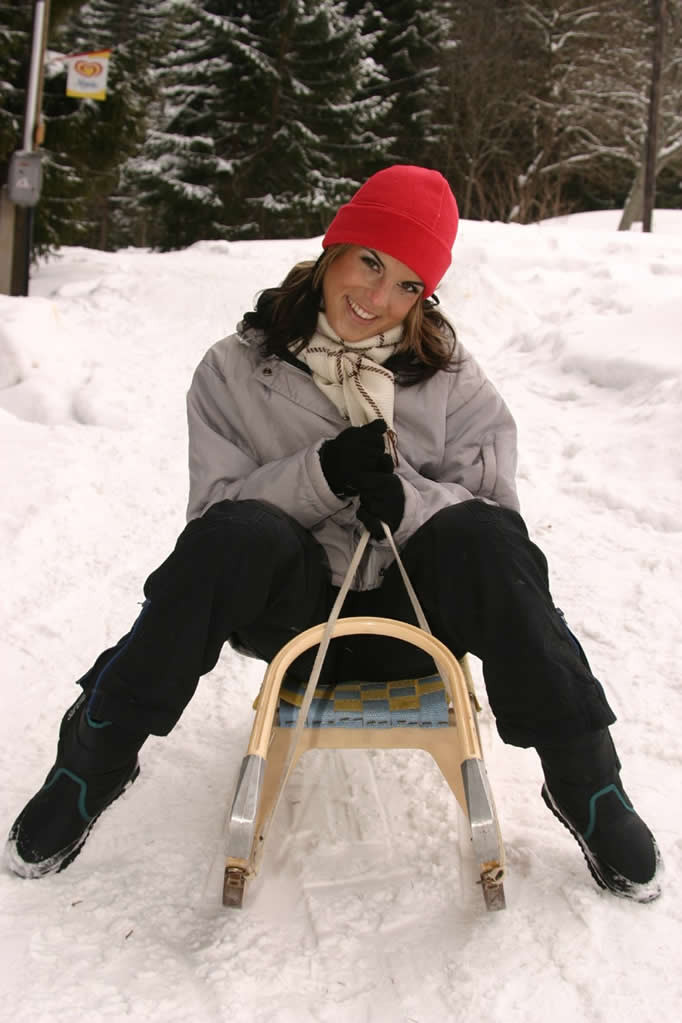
{"x":248,"y":571}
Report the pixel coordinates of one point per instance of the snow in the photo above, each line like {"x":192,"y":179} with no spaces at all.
{"x":359,"y":913}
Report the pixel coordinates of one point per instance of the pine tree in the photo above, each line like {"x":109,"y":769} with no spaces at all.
{"x":409,"y":42}
{"x":179,"y":176}
{"x":16,"y":33}
{"x":302,"y":153}
{"x":264,"y":127}
{"x":16,"y":38}
{"x":15,"y":48}
{"x":88,"y":142}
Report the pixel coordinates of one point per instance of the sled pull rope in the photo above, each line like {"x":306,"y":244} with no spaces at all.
{"x":418,"y":610}
{"x":421,"y":617}
{"x":319,"y":660}
{"x":326,"y":638}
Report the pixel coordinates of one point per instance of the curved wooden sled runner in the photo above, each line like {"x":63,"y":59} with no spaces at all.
{"x":455,"y":747}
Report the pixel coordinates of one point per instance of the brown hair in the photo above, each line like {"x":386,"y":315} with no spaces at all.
{"x":288,"y":316}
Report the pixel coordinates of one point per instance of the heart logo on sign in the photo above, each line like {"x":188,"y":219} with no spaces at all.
{"x":88,"y":68}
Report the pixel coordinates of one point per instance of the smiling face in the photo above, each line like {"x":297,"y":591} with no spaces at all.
{"x":366,"y":292}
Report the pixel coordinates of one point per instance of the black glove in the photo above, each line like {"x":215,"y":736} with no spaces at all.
{"x":354,"y":453}
{"x":382,"y":499}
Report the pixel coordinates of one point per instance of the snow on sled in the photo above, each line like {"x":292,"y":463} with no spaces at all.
{"x":437,"y":714}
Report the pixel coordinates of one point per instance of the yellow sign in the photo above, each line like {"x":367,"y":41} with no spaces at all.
{"x":87,"y":74}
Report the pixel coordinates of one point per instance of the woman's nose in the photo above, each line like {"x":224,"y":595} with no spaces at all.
{"x":380,"y":294}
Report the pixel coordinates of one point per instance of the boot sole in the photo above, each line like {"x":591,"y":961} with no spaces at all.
{"x":61,"y":860}
{"x":613,"y":882}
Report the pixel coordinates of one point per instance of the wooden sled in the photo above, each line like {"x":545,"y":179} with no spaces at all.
{"x":452,"y":739}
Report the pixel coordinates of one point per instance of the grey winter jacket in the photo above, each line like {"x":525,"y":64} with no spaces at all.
{"x":256,"y":425}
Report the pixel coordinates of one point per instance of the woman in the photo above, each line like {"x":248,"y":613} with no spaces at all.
{"x":344,"y":401}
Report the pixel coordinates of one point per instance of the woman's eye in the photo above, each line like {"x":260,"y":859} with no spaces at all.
{"x":371,"y":263}
{"x":410,"y":288}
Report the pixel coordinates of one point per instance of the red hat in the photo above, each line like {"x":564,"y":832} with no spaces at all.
{"x":408,"y":212}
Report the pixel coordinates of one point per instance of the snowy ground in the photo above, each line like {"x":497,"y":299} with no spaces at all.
{"x":358,"y":915}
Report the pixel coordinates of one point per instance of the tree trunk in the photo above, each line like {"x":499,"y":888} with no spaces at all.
{"x":634,"y":204}
{"x":659,"y":11}
{"x":641,"y":200}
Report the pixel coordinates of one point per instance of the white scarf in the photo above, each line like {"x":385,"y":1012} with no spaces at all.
{"x":352,"y":375}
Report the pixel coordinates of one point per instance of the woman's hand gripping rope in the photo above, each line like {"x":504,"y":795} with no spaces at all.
{"x":356,"y":463}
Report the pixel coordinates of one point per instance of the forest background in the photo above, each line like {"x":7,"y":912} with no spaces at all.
{"x":256,"y":119}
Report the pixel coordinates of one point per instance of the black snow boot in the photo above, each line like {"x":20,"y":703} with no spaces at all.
{"x":583,"y":789}
{"x":96,"y":762}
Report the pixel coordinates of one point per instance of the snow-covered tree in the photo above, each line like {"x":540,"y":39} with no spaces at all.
{"x":305,"y":126}
{"x":16,"y":33}
{"x":547,"y":103}
{"x":268,"y":114}
{"x":409,"y":41}
{"x":568,"y":40}
{"x":15,"y":37}
{"x":88,"y":142}
{"x":59,"y":199}
{"x":594,"y":113}
{"x":486,"y":133}
{"x":613,"y":125}
{"x":178,"y":175}
{"x":256,"y":118}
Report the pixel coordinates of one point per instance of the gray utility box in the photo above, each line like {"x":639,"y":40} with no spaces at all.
{"x":25,"y":178}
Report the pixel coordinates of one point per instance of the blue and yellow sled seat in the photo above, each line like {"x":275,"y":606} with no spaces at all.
{"x":436,"y":713}
{"x":405,"y":703}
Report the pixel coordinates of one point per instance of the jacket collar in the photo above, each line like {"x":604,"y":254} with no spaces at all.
{"x":288,"y":380}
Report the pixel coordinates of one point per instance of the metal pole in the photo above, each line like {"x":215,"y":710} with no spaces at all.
{"x":35,"y":75}
{"x":25,"y":217}
{"x":39,"y":135}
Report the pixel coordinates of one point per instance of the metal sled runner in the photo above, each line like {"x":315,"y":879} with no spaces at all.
{"x":399,"y":718}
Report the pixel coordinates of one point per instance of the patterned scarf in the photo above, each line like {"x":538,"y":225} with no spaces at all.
{"x":352,"y":375}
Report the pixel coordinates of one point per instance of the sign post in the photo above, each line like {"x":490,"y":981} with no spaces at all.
{"x":87,"y":78}
{"x":25,"y":174}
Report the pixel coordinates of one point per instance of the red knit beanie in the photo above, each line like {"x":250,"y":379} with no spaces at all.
{"x":408,"y":212}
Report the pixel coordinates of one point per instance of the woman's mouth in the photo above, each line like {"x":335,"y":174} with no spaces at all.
{"x":358,"y":311}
